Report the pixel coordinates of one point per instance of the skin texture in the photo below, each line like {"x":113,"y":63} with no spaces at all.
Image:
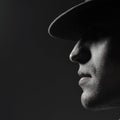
{"x":97,"y":54}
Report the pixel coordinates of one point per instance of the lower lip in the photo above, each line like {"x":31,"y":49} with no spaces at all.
{"x":84,"y":81}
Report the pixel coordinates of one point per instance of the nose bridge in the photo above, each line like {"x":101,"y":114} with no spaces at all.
{"x":80,"y":54}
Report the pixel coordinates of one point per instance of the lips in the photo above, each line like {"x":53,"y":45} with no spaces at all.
{"x":84,"y":78}
{"x":84,"y":75}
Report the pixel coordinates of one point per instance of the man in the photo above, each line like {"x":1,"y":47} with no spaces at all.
{"x":95,"y":25}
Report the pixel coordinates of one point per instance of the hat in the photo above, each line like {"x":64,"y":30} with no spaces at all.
{"x":73,"y":22}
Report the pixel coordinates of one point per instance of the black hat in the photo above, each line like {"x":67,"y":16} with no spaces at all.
{"x":73,"y":22}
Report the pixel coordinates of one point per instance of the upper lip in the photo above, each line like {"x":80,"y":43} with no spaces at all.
{"x":81,"y":75}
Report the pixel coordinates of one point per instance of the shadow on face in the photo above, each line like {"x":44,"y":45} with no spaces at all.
{"x":97,"y":54}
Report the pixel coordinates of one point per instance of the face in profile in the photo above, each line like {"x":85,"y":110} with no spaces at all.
{"x":97,"y":54}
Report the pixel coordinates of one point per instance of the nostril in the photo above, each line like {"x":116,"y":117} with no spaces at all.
{"x":82,"y":56}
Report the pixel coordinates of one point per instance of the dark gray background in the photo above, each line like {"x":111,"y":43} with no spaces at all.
{"x":37,"y":80}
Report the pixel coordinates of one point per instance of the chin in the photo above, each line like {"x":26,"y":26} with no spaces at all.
{"x":93,"y":101}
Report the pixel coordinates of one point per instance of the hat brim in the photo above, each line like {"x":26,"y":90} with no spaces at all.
{"x":73,"y":22}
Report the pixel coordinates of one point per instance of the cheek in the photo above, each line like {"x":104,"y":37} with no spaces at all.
{"x":105,"y":86}
{"x":111,"y":68}
{"x":107,"y":68}
{"x":112,"y":77}
{"x":100,"y":58}
{"x":114,"y":49}
{"x":108,"y":77}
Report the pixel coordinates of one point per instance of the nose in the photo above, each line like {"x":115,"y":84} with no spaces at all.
{"x":80,"y":54}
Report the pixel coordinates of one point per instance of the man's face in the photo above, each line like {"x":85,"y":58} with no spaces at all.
{"x":97,"y":54}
